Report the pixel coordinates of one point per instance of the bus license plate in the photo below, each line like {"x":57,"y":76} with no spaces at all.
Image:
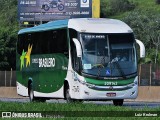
{"x":111,"y":94}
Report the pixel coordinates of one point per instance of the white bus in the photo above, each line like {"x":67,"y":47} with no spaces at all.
{"x":78,"y":59}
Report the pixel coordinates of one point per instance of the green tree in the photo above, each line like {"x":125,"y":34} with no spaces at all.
{"x":112,"y":7}
{"x":8,"y":34}
{"x":146,"y":26}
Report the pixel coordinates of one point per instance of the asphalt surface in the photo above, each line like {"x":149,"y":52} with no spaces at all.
{"x":130,"y":104}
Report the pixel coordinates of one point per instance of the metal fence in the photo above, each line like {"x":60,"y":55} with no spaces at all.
{"x":149,"y":75}
{"x":8,"y":78}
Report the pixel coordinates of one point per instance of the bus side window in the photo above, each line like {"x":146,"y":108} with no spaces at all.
{"x":62,"y":41}
{"x":20,"y":44}
{"x":57,"y":41}
{"x":23,"y":41}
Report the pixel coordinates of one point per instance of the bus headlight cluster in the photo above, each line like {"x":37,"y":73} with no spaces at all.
{"x":133,"y":84}
{"x":83,"y":81}
{"x":90,"y":85}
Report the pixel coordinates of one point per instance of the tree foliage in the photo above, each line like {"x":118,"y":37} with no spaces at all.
{"x":112,"y":7}
{"x":146,"y":26}
{"x":143,"y":18}
{"x":8,"y":33}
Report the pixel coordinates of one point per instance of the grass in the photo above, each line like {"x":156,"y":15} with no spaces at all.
{"x":5,"y":106}
{"x":76,"y":110}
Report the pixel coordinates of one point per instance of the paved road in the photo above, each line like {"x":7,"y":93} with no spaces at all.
{"x":134,"y":105}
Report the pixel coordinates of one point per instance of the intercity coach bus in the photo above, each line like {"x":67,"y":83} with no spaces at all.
{"x":78,"y":59}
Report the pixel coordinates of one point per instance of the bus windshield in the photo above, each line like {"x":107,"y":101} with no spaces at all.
{"x":108,"y":55}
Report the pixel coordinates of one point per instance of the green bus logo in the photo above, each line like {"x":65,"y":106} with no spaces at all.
{"x":26,"y":55}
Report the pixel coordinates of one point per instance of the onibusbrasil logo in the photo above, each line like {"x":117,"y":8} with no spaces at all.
{"x":26,"y":56}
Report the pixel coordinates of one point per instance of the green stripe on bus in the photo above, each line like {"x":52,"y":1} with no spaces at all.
{"x":103,"y":82}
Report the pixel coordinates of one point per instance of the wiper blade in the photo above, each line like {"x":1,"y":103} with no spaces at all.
{"x":99,"y":70}
{"x":120,"y":70}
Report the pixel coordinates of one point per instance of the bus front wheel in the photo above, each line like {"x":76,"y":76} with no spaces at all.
{"x":69,"y":99}
{"x":67,"y":96}
{"x":118,"y":102}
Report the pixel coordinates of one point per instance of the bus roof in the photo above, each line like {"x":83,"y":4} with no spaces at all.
{"x":45,"y":27}
{"x":101,"y":25}
{"x":89,"y":25}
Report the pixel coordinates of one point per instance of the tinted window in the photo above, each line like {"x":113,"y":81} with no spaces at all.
{"x":44,"y":42}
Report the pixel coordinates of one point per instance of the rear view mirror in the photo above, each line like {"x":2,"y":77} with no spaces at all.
{"x":142,"y":48}
{"x":78,"y":47}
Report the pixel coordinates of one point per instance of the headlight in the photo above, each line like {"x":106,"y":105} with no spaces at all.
{"x":82,"y":81}
{"x":133,"y":84}
{"x":136,"y":81}
{"x":90,"y":85}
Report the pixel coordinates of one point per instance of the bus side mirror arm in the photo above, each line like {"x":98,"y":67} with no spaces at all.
{"x":142,"y":48}
{"x":78,"y":47}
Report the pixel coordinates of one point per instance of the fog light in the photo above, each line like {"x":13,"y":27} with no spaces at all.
{"x":87,"y":93}
{"x":133,"y":93}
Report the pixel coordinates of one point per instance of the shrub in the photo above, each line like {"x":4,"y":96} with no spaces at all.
{"x":146,"y":27}
{"x":112,"y":7}
{"x":121,"y":5}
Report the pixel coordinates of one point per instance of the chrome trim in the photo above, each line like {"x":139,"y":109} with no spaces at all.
{"x":111,"y":88}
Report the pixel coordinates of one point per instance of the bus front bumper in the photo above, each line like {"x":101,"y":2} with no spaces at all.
{"x":89,"y":93}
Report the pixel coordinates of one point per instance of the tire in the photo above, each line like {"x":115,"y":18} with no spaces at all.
{"x":30,"y":93}
{"x":118,"y":102}
{"x":67,"y":96}
{"x":60,"y":7}
{"x":46,"y":7}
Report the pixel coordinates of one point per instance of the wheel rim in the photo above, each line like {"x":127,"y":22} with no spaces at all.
{"x":31,"y":95}
{"x":67,"y":95}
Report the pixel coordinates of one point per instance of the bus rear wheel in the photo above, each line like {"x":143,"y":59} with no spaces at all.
{"x":30,"y":93}
{"x":118,"y":102}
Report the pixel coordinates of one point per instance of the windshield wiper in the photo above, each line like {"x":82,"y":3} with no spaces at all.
{"x":119,"y":69}
{"x":102,"y":65}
